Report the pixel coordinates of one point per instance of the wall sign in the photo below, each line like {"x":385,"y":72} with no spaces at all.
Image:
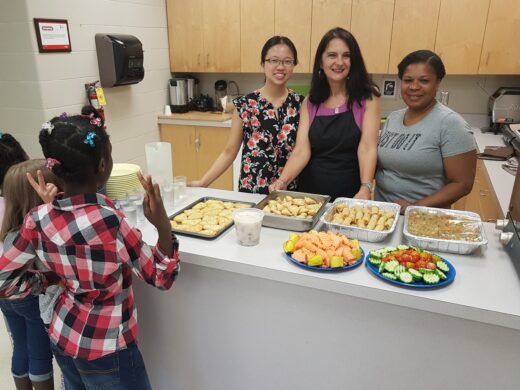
{"x":52,"y":35}
{"x":389,"y":88}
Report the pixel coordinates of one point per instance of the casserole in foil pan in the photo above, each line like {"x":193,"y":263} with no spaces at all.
{"x":289,"y":220}
{"x":365,"y":220}
{"x":443,"y":230}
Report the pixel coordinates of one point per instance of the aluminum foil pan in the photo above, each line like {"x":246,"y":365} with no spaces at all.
{"x":292,"y":223}
{"x":470,"y":226}
{"x":355,"y":232}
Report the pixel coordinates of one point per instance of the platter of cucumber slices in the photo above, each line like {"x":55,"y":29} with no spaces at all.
{"x":410,"y":266}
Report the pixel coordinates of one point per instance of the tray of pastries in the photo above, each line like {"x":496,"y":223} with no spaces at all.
{"x":290,"y":210}
{"x":207,"y":217}
{"x":365,"y":220}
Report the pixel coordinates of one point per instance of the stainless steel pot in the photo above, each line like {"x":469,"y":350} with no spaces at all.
{"x":178,"y":95}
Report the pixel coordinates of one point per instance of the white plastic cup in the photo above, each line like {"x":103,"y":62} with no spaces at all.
{"x":167,"y":110}
{"x":179,"y":187}
{"x":130,"y":210}
{"x":248,"y":224}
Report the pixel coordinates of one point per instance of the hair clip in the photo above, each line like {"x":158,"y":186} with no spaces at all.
{"x":63,"y":116}
{"x":96,"y":122}
{"x":89,"y":139}
{"x":51,"y":163}
{"x":48,"y":126}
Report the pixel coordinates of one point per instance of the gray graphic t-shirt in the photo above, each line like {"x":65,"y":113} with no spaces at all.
{"x":409,"y":162}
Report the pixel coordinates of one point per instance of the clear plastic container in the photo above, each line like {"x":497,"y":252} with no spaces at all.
{"x":248,"y":225}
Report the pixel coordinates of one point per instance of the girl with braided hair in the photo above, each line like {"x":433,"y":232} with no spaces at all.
{"x":91,"y":246}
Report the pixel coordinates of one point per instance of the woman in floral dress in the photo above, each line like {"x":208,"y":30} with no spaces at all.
{"x":264,"y":124}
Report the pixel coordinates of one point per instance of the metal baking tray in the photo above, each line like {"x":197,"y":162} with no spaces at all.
{"x":205,"y":236}
{"x":444,"y":245}
{"x":354,"y":232}
{"x":292,"y":223}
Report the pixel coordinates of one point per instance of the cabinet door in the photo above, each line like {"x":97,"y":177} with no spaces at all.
{"x":209,"y":143}
{"x":221,"y":32}
{"x":459,"y":47}
{"x":415,"y":25}
{"x":327,"y":14}
{"x":501,"y":50}
{"x":292,"y":18}
{"x":184,"y":155}
{"x":185,"y":35}
{"x":257,"y":26}
{"x":372,"y":27}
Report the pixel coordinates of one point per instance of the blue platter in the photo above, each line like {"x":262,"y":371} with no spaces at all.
{"x":319,"y":269}
{"x":450,"y":276}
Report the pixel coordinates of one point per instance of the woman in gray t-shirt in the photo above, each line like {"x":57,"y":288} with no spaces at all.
{"x":426,"y":156}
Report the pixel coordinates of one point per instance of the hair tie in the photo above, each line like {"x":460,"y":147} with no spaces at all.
{"x":51,"y":163}
{"x":89,"y":139}
{"x":48,"y":126}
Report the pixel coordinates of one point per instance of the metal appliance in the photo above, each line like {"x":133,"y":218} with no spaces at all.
{"x":178,"y":95}
{"x":504,"y":107}
{"x":510,"y":235}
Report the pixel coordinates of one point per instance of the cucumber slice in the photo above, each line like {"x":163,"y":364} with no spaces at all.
{"x":382,"y":267}
{"x":389,"y":275}
{"x":416,"y":275}
{"x":402,"y":247}
{"x":390,"y":266}
{"x":405,"y":277}
{"x":442,"y":266}
{"x":376,"y":255}
{"x":374,"y":260}
{"x":441,"y":274}
{"x":431,"y":278}
{"x":390,"y":249}
{"x":399,"y":269}
{"x":426,"y":271}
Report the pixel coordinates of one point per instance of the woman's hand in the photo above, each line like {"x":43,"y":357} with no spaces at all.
{"x":196,"y":183}
{"x":279,"y":184}
{"x":46,"y":191}
{"x":404,"y":204}
{"x":153,"y":206}
{"x":363,"y":193}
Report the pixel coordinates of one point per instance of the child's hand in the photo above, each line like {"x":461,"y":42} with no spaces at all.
{"x":153,"y":206}
{"x":46,"y":191}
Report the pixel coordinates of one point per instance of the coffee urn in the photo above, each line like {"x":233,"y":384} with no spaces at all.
{"x":178,"y":95}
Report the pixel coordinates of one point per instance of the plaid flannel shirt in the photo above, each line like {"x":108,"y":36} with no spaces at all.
{"x":90,"y":244}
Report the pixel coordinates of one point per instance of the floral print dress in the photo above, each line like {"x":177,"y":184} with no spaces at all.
{"x":268,"y":140}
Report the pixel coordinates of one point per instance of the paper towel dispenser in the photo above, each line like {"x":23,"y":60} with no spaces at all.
{"x":120,"y":59}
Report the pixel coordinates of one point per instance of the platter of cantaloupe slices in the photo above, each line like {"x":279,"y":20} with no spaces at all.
{"x":323,"y":251}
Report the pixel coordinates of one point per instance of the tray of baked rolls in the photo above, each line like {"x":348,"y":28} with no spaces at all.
{"x":207,"y":217}
{"x":365,"y":220}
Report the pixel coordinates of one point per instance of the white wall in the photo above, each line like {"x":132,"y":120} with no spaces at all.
{"x":35,"y":87}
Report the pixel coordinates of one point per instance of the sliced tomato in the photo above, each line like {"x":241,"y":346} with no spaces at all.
{"x":431,"y":266}
{"x":409,"y":264}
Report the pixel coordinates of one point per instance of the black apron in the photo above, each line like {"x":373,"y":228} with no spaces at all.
{"x":334,"y":167}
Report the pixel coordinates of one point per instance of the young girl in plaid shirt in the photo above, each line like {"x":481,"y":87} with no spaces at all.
{"x":90,"y":245}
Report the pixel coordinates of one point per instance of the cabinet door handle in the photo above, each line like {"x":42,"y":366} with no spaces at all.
{"x":197,"y":144}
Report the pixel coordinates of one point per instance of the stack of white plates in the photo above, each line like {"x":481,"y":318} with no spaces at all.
{"x":123,"y":181}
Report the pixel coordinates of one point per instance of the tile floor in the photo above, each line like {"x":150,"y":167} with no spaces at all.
{"x":5,"y":361}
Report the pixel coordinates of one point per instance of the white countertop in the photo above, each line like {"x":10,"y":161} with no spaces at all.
{"x":501,"y":180}
{"x":486,"y":288}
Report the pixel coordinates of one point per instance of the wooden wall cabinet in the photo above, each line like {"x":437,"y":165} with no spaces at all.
{"x":204,"y":35}
{"x":414,"y":28}
{"x":501,"y":49}
{"x":372,"y":26}
{"x":257,"y":26}
{"x":482,"y":199}
{"x":194,"y":149}
{"x":460,"y":34}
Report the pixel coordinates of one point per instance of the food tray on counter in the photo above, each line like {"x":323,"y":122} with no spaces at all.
{"x":224,"y":221}
{"x":356,"y":232}
{"x":291,"y":222}
{"x":465,"y":223}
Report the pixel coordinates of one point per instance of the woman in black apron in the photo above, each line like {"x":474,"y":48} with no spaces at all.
{"x":336,"y":146}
